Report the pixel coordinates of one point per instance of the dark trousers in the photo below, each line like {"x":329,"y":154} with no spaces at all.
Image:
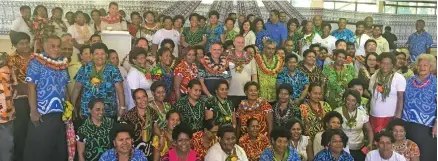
{"x":7,"y":141}
{"x":235,"y":100}
{"x":21,"y":121}
{"x":358,"y":155}
{"x":422,"y":135}
{"x":46,"y":141}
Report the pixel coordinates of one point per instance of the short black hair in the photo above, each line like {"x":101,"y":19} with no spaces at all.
{"x":167,"y":41}
{"x":95,"y":35}
{"x":329,"y":115}
{"x":280,"y":132}
{"x":228,"y":19}
{"x":396,"y":122}
{"x":167,"y":18}
{"x":95,"y":10}
{"x":156,"y":84}
{"x":251,"y":120}
{"x":354,"y":93}
{"x":224,"y":129}
{"x":98,"y":45}
{"x":139,"y":39}
{"x":285,"y":86}
{"x":314,"y":45}
{"x":47,"y":38}
{"x":308,"y":51}
{"x":384,"y":133}
{"x":160,"y":52}
{"x":289,"y":57}
{"x":122,"y":127}
{"x":358,"y":23}
{"x":35,"y":11}
{"x":134,"y":13}
{"x":232,"y":13}
{"x":181,"y":128}
{"x":369,"y":41}
{"x":139,"y":90}
{"x":328,"y":134}
{"x":339,"y":41}
{"x":293,"y":20}
{"x":193,"y":82}
{"x":276,"y":12}
{"x":388,"y":28}
{"x":356,"y":82}
{"x":326,"y":24}
{"x":220,"y":82}
{"x":256,"y":20}
{"x":228,"y":43}
{"x":170,"y":112}
{"x":213,"y":13}
{"x":209,"y":124}
{"x":292,"y":122}
{"x":94,"y":101}
{"x":176,"y":17}
{"x":18,"y":36}
{"x":113,"y":3}
{"x":249,"y":84}
{"x":323,"y":48}
{"x":313,"y":85}
{"x":148,"y":12}
{"x":202,"y":18}
{"x":58,"y":8}
{"x":193,"y":15}
{"x":135,"y":52}
{"x":387,"y":55}
{"x":350,"y":44}
{"x":111,"y":51}
{"x":336,"y":52}
{"x":83,"y":47}
{"x":248,"y":16}
{"x":24,"y":7}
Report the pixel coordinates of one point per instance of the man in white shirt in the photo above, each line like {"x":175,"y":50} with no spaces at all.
{"x":21,"y":24}
{"x":226,"y":147}
{"x":384,"y":152}
{"x":167,"y":32}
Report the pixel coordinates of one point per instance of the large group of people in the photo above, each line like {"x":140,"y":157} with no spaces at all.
{"x":247,"y":90}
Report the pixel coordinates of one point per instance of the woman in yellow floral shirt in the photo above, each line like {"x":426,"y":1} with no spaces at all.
{"x":314,"y":110}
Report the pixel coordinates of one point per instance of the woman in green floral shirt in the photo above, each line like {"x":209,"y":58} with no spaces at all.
{"x":338,"y":75}
{"x":191,"y":108}
{"x":293,"y":34}
{"x":219,"y":107}
{"x":193,"y":35}
{"x":230,"y":33}
{"x":161,"y":107}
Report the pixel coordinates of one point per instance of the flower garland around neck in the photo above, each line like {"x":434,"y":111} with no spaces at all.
{"x":111,"y":19}
{"x":247,"y":107}
{"x":83,"y":31}
{"x":233,"y":156}
{"x":308,"y":39}
{"x":421,"y":84}
{"x":262,"y":62}
{"x":49,"y":62}
{"x":383,"y":84}
{"x":96,"y":75}
{"x":351,"y":121}
{"x":239,"y":61}
{"x":145,"y":71}
{"x":213,"y":68}
{"x":192,"y":69}
{"x":277,"y":111}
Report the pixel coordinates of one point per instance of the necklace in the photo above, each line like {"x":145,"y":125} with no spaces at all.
{"x":247,"y":107}
{"x":277,"y":112}
{"x":145,"y":71}
{"x":319,"y":113}
{"x":239,"y":61}
{"x":269,"y":69}
{"x":341,"y":76}
{"x":351,"y":121}
{"x":212,"y":67}
{"x":224,"y":109}
{"x":422,"y":85}
{"x":193,"y":69}
{"x":196,"y":115}
{"x":401,"y":149}
{"x":308,"y":40}
{"x":111,"y":19}
{"x":56,"y":64}
{"x":131,"y":153}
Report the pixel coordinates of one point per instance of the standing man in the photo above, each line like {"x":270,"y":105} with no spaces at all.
{"x":283,"y":17}
{"x":317,"y":22}
{"x":369,"y":23}
{"x":342,"y":32}
{"x":420,"y":41}
{"x":21,"y":24}
{"x":7,"y":109}
{"x":47,"y":80}
{"x":360,"y":38}
{"x":390,"y":37}
{"x":382,"y":44}
{"x":276,"y":29}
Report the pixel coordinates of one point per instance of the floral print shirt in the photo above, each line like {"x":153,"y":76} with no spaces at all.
{"x":258,"y":111}
{"x":213,"y":35}
{"x":313,"y":119}
{"x":297,"y":81}
{"x":254,"y":149}
{"x":96,"y":138}
{"x":337,"y":83}
{"x":192,"y":115}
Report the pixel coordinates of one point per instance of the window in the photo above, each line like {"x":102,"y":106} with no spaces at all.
{"x":301,"y":3}
{"x":352,"y":5}
{"x":428,"y":8}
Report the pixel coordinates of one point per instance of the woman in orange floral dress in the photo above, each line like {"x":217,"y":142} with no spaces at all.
{"x":403,"y":146}
{"x":254,"y":107}
{"x":253,"y":143}
{"x":204,"y":139}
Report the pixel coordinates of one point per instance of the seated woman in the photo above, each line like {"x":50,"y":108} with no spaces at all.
{"x":254,"y":107}
{"x":123,"y":141}
{"x":163,"y":143}
{"x":314,"y":110}
{"x":182,"y":137}
{"x":332,"y":120}
{"x":384,"y":149}
{"x":253,"y":143}
{"x":203,"y":140}
{"x":285,"y":109}
{"x":355,"y":123}
{"x":296,"y":78}
{"x":335,"y":140}
{"x":226,"y":149}
{"x":280,"y":149}
{"x":401,"y":145}
{"x":163,"y":71}
{"x":219,"y":107}
{"x":191,"y":107}
{"x":161,"y":108}
{"x":359,"y":85}
{"x":301,"y":143}
{"x":185,"y":71}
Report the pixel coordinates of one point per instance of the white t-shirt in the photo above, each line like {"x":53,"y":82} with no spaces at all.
{"x":387,"y":108}
{"x":162,"y":34}
{"x":302,"y":146}
{"x":375,"y":156}
{"x":238,"y":79}
{"x":250,"y":38}
{"x":360,"y":44}
{"x":330,"y":43}
{"x":215,"y":153}
{"x":316,"y":39}
{"x":135,"y":80}
{"x":355,"y":134}
{"x":19,"y":25}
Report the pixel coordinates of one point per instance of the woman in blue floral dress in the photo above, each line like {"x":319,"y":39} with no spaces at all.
{"x":215,"y":32}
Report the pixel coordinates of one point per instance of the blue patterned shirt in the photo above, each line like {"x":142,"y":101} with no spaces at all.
{"x":268,"y":155}
{"x":106,"y":90}
{"x":259,"y":38}
{"x":420,"y":103}
{"x":325,"y":155}
{"x":418,"y":44}
{"x":50,"y":86}
{"x":346,"y":35}
{"x":213,"y":35}
{"x":110,"y":155}
{"x":277,"y":32}
{"x":298,"y":81}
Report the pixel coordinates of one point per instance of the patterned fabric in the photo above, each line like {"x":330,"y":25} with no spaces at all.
{"x":162,"y":122}
{"x":211,"y":79}
{"x":192,"y":115}
{"x":313,"y":120}
{"x":364,"y":75}
{"x":71,"y":139}
{"x":19,"y":65}
{"x":253,"y":149}
{"x":418,"y":44}
{"x":258,"y":111}
{"x":172,"y":156}
{"x":267,"y":85}
{"x":418,"y":101}
{"x":96,"y":138}
{"x":296,"y":37}
{"x":111,"y":155}
{"x":106,"y":90}
{"x":230,"y":35}
{"x":282,"y":116}
{"x":142,"y":126}
{"x":297,"y":81}
{"x":317,"y":30}
{"x":187,"y":73}
{"x":198,"y":146}
{"x":222,"y":112}
{"x":337,"y":83}
{"x":160,"y":73}
{"x":325,"y":155}
{"x":268,"y":155}
{"x":51,"y":86}
{"x":409,"y":150}
{"x":156,"y":143}
{"x":132,"y":29}
{"x":213,"y":35}
{"x":193,"y":38}
{"x":7,"y":110}
{"x":259,"y":38}
{"x":345,"y":34}
{"x":315,"y":75}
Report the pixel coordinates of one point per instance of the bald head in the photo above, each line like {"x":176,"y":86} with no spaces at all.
{"x":239,"y":43}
